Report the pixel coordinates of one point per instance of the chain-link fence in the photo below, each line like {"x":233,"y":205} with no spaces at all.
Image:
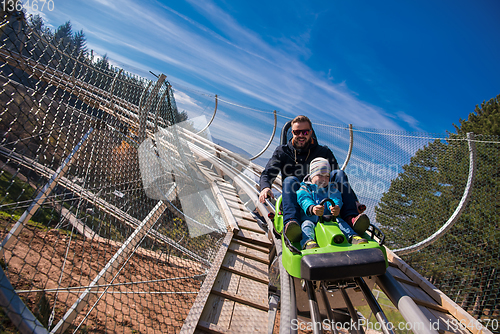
{"x":85,"y":247}
{"x":93,"y":239}
{"x":413,"y":185}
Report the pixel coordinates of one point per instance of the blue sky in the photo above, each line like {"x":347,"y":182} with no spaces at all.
{"x":396,"y":65}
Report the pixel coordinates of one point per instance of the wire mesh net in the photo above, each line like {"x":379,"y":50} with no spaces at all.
{"x":413,"y":184}
{"x":93,"y":239}
{"x":84,"y":245}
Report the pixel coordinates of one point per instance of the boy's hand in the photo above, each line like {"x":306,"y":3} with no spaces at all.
{"x":335,"y":210}
{"x":318,"y":210}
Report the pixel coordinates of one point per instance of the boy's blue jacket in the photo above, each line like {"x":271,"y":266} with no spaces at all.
{"x":310,"y":194}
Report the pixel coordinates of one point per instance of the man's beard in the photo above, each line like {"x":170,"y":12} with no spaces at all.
{"x":301,"y":146}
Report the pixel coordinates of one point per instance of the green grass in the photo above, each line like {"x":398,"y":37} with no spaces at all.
{"x":6,"y":216}
{"x":13,"y":190}
{"x":391,"y":312}
{"x":6,"y":326}
{"x":103,"y":227}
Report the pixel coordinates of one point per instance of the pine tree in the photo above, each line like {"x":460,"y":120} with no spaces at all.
{"x":36,"y":23}
{"x":80,"y":42}
{"x":422,"y":198}
{"x":64,"y":34}
{"x":484,"y":120}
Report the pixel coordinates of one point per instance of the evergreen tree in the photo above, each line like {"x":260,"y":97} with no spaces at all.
{"x":484,"y":120}
{"x":422,"y":198}
{"x":64,"y":34}
{"x":103,"y":63}
{"x":36,"y":23}
{"x":80,"y":42}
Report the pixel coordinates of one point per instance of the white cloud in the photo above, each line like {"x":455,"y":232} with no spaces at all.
{"x":410,"y":120}
{"x":237,"y":60}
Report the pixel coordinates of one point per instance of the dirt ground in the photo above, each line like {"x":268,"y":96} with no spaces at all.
{"x":47,"y":259}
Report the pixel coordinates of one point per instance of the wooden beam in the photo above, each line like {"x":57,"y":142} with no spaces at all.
{"x":406,"y":281}
{"x":252,"y":246}
{"x":211,"y":328}
{"x":223,"y":207}
{"x":248,"y":227}
{"x":245,"y":274}
{"x":430,"y":305}
{"x":250,"y":256}
{"x":241,"y":300}
{"x":193,"y":317}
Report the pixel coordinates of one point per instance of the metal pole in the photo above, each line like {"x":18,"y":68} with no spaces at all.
{"x":270,"y":139}
{"x":111,"y":100}
{"x":329,"y":311}
{"x":42,"y":195}
{"x":113,"y":264}
{"x":356,"y":328}
{"x":158,"y":108}
{"x":351,"y":140}
{"x":374,"y":306}
{"x":313,"y":308}
{"x":211,"y":120}
{"x":143,"y":112}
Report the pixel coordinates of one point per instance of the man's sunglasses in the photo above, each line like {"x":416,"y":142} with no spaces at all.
{"x":299,"y":132}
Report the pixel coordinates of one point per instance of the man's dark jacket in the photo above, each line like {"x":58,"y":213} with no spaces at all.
{"x":291,"y":162}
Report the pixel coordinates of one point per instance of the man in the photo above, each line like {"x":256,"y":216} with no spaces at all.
{"x":292,"y":160}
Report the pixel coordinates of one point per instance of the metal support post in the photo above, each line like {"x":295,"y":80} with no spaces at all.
{"x":112,"y":266}
{"x":143,"y":112}
{"x":374,"y":306}
{"x":42,"y":195}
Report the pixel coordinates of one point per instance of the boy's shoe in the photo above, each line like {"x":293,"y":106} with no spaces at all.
{"x":293,"y":231}
{"x":311,"y":244}
{"x":360,"y":223}
{"x":356,"y":240}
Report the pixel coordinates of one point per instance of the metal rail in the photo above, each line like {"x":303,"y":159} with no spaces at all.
{"x":458,"y":211}
{"x":211,"y":119}
{"x":351,"y":139}
{"x":270,"y":139}
{"x":16,"y":310}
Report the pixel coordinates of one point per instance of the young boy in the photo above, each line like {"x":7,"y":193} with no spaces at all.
{"x":316,"y":187}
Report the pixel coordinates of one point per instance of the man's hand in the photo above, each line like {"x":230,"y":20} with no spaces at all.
{"x":265,"y":193}
{"x":318,"y":210}
{"x":335,"y":210}
{"x":361,"y":207}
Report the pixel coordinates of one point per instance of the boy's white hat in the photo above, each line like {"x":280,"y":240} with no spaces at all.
{"x":319,"y":166}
